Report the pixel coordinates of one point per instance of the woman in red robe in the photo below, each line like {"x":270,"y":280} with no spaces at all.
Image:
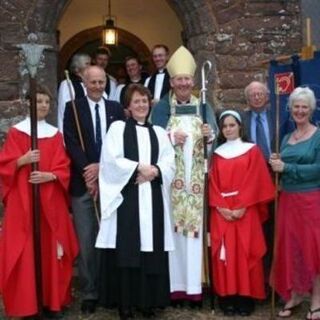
{"x":59,"y":245}
{"x":240,"y":187}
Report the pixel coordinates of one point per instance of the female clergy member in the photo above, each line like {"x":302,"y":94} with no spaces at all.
{"x":59,"y":245}
{"x":296,"y":268}
{"x":239,"y":189}
{"x":136,"y":170}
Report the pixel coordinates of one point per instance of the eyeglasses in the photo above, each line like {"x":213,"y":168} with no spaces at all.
{"x":257,"y":94}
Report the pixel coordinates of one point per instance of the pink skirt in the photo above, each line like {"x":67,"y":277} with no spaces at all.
{"x":297,"y":259}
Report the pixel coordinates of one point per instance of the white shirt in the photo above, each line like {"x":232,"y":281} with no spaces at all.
{"x":158,"y":84}
{"x":64,"y":97}
{"x":102,"y":113}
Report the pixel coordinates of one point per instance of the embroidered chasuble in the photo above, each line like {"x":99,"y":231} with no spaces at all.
{"x":188,"y":184}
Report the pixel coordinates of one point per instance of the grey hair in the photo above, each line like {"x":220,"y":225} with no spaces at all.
{"x":305,"y":94}
{"x":78,"y":62}
{"x":248,"y":87}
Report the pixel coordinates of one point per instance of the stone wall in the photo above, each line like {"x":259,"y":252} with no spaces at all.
{"x":236,"y":35}
{"x":17,"y":19}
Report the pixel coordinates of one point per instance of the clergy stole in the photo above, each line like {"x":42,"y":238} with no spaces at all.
{"x":187,"y":196}
{"x":77,"y":86}
{"x":165,"y":85}
{"x":128,"y":227}
{"x":108,"y":86}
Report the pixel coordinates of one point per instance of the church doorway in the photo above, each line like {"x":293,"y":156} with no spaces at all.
{"x":140,"y":25}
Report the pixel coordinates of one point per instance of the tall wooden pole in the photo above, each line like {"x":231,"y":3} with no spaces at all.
{"x":36,"y":214}
{"x":276,"y":198}
{"x":32,"y":55}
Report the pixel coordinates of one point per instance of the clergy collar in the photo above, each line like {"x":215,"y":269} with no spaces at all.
{"x":45,"y":130}
{"x":135,"y":80}
{"x":160,"y":71}
{"x":180,"y":102}
{"x":233,"y":148}
{"x":139,"y":123}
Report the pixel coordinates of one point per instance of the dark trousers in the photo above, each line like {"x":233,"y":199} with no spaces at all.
{"x":86,"y":226}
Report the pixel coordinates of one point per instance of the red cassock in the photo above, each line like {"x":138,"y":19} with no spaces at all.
{"x":17,"y":272}
{"x":237,"y":247}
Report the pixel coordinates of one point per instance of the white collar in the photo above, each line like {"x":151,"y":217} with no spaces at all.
{"x":45,"y":130}
{"x":93,"y":103}
{"x":233,"y":148}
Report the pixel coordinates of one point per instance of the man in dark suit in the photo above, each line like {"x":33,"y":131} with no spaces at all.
{"x":258,"y":121}
{"x":95,"y":114}
{"x":259,"y":125}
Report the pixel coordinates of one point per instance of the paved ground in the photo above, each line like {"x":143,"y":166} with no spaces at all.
{"x":262,"y":312}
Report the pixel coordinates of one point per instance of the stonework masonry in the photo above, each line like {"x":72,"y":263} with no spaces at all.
{"x":236,"y":35}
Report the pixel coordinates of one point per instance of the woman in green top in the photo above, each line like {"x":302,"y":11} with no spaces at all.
{"x":296,"y":267}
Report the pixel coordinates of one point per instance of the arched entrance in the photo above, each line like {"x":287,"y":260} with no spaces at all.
{"x":89,"y":39}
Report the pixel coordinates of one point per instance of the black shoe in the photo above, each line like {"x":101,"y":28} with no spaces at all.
{"x":195,"y":304}
{"x":148,"y":313}
{"x":177,"y":303}
{"x":245,"y":306}
{"x":229,"y":311}
{"x":49,"y":314}
{"x":88,"y":306}
{"x":244,"y":313}
{"x":125,"y":314}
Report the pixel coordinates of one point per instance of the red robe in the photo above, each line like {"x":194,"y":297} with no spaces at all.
{"x":241,"y":273}
{"x":17,"y":276}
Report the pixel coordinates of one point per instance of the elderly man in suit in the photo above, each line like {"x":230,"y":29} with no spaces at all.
{"x":258,"y":120}
{"x":95,"y":114}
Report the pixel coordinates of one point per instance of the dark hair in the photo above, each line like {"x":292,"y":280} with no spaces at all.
{"x":127,"y":58}
{"x":41,"y":89}
{"x":102,"y":50}
{"x":136,"y":87}
{"x":160,"y":45}
{"x":221,"y":138}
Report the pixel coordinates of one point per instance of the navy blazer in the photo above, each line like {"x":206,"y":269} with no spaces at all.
{"x":286,"y":126}
{"x":247,"y":117}
{"x":79,"y":158}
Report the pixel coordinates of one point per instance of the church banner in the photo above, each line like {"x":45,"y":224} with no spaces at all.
{"x":289,"y":76}
{"x":310,"y":76}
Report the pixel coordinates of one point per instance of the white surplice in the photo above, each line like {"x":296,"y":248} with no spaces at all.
{"x":185,"y":262}
{"x":116,"y":171}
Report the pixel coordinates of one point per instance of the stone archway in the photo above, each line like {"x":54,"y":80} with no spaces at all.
{"x":92,"y":34}
{"x":235,"y":35}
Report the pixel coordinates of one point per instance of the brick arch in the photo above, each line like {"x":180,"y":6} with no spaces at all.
{"x":92,"y":34}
